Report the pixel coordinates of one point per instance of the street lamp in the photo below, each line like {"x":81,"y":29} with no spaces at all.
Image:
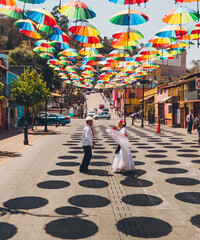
{"x":125,"y":106}
{"x":142,"y":123}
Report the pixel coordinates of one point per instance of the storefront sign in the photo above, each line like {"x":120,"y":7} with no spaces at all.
{"x":198,"y":84}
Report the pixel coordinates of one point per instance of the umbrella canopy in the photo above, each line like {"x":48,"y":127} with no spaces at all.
{"x":124,"y":2}
{"x":89,"y":51}
{"x":47,"y":55}
{"x":161,"y":42}
{"x":33,"y":1}
{"x":171,"y":31}
{"x":84,"y":39}
{"x":8,"y":2}
{"x":83,"y":28}
{"x":69,"y":52}
{"x":44,"y":49}
{"x":60,"y":45}
{"x":181,"y":15}
{"x":129,"y":17}
{"x":13,"y":12}
{"x":92,"y":45}
{"x":128,"y":33}
{"x":127,"y":45}
{"x":43,"y":43}
{"x":77,"y":10}
{"x":26,"y":24}
{"x":59,"y":37}
{"x":54,"y":61}
{"x":118,"y":53}
{"x":41,"y":16}
{"x":31,"y":34}
{"x":50,"y":29}
{"x":179,"y":44}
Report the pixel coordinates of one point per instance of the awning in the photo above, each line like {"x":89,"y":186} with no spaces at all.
{"x":166,"y":99}
{"x":190,"y":101}
{"x":147,"y":99}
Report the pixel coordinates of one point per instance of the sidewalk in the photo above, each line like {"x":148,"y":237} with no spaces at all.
{"x":11,"y":141}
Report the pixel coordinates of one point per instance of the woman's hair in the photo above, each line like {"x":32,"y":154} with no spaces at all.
{"x":123,"y":123}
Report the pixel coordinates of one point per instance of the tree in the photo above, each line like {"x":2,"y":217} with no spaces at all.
{"x":30,"y":90}
{"x":1,"y":91}
{"x":61,"y":20}
{"x":195,"y":66}
{"x":21,"y":56}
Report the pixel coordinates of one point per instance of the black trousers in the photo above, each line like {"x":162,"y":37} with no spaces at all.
{"x":190,"y":127}
{"x":87,"y":157}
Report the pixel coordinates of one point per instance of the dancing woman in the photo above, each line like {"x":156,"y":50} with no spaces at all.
{"x":123,"y":160}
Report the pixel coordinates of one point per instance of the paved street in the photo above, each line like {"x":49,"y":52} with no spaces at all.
{"x":43,"y":196}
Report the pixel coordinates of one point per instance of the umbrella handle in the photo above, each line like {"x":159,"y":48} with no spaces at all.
{"x":60,"y":4}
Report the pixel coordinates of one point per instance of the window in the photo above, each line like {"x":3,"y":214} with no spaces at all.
{"x":161,"y":91}
{"x":169,"y":108}
{"x":178,"y":90}
{"x":191,"y":86}
{"x":165,"y":90}
{"x":158,"y":91}
{"x":172,"y":91}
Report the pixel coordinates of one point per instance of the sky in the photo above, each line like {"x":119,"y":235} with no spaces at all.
{"x":155,"y":10}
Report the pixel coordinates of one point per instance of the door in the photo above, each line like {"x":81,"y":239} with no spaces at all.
{"x":174,"y":114}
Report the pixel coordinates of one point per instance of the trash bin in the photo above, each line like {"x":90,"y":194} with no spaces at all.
{"x":151,"y":119}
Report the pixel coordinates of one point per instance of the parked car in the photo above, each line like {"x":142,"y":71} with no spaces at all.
{"x":92,"y":91}
{"x":105,"y":109}
{"x":101,"y":106}
{"x":91,"y":113}
{"x":53,"y":117}
{"x":102,"y":115}
{"x":87,"y":92}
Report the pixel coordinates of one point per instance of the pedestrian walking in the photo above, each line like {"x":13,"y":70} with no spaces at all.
{"x":197,"y":120}
{"x":123,"y":160}
{"x":190,"y":121}
{"x":88,"y":144}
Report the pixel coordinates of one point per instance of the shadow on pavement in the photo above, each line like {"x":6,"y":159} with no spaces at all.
{"x":4,"y":154}
{"x":142,"y":200}
{"x":189,"y":197}
{"x":7,"y":230}
{"x":54,"y":184}
{"x":92,"y":183}
{"x":68,"y":210}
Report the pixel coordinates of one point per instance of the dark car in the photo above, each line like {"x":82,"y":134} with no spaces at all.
{"x":53,"y":117}
{"x":105,"y":110}
{"x":101,"y":106}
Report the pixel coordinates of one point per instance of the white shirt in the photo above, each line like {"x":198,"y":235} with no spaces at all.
{"x":87,"y":137}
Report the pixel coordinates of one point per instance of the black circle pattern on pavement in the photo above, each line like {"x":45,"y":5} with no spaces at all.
{"x":133,"y":151}
{"x":26,"y":203}
{"x":70,"y":144}
{"x":195,"y":161}
{"x":67,"y":157}
{"x":7,"y":230}
{"x":98,"y":157}
{"x":76,"y":152}
{"x":172,"y":147}
{"x":181,"y":181}
{"x":71,"y":228}
{"x":167,"y":162}
{"x":187,"y":150}
{"x":102,"y":152}
{"x":173,"y":170}
{"x":100,"y":164}
{"x":146,"y":227}
{"x":141,"y":144}
{"x":68,"y":210}
{"x":68,"y":164}
{"x":92,"y":183}
{"x":145,"y":147}
{"x":138,"y":163}
{"x":157,"y":151}
{"x":142,"y":200}
{"x":195,"y":146}
{"x":189,"y":197}
{"x":136,"y":182}
{"x":155,"y":156}
{"x":164,"y":144}
{"x":53,"y":184}
{"x":60,"y":172}
{"x":195,"y":221}
{"x":99,"y":172}
{"x":78,"y":148}
{"x":177,"y":140}
{"x":188,"y":155}
{"x":89,"y":201}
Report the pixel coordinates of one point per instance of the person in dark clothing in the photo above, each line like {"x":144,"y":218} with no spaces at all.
{"x":190,"y":121}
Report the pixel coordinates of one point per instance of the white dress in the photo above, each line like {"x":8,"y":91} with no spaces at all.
{"x":123,"y":161}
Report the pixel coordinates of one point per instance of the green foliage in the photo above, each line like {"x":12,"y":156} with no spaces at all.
{"x":195,"y":66}
{"x":136,"y":108}
{"x":1,"y":91}
{"x":29,"y":89}
{"x":61,"y":20}
{"x":150,"y":108}
{"x":21,"y":56}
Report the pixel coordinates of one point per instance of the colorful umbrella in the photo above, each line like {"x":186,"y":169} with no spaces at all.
{"x":128,"y":33}
{"x":86,"y":67}
{"x":50,"y":29}
{"x":118,"y":53}
{"x":124,"y":2}
{"x":179,"y":44}
{"x":33,"y":1}
{"x":31,"y":34}
{"x":83,"y":39}
{"x":59,"y":37}
{"x":26,"y":25}
{"x":47,"y":55}
{"x":13,"y":12}
{"x":69,"y":52}
{"x":89,"y":51}
{"x":129,"y":17}
{"x":181,"y":15}
{"x":54,"y":61}
{"x":161,"y":42}
{"x":8,"y":2}
{"x":92,"y":45}
{"x":171,"y":31}
{"x":44,"y":49}
{"x":43,"y":43}
{"x":77,"y":10}
{"x":83,"y":28}
{"x":189,"y":1}
{"x":60,"y":45}
{"x":41,"y":16}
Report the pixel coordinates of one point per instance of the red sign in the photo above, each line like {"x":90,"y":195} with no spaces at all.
{"x":198,"y":84}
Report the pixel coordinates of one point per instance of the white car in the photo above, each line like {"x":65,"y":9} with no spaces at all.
{"x":91,"y":113}
{"x":102,"y":115}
